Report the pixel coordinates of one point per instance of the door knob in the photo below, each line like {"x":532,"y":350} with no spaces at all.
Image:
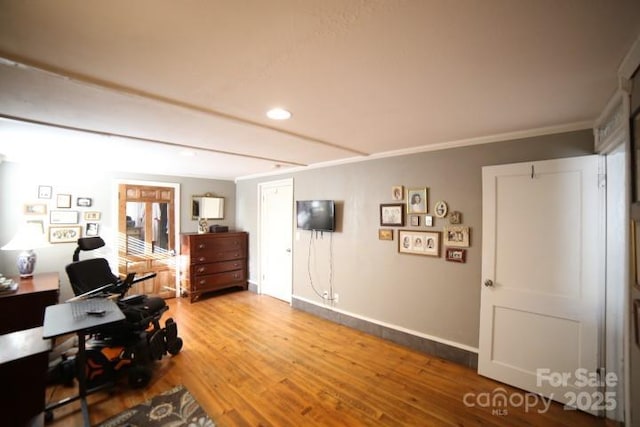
{"x":288,"y":250}
{"x":488,"y":283}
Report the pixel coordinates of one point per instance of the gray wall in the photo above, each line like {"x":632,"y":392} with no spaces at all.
{"x":19,"y":185}
{"x":427,"y":296}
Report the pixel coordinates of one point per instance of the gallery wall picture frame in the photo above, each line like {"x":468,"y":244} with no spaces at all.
{"x":457,"y":236}
{"x":392,"y":214}
{"x":38,"y":223}
{"x":440,"y":209}
{"x":385,"y":234}
{"x":63,"y":201}
{"x":455,"y":217}
{"x":44,"y":191}
{"x":425,"y":243}
{"x":456,"y":255}
{"x":397,"y":192}
{"x":92,"y":216}
{"x":84,"y":202}
{"x":414,"y":220}
{"x":92,"y":229}
{"x":63,"y":217}
{"x":428,"y":221}
{"x":417,"y":200}
{"x":67,"y":234}
{"x":35,"y":209}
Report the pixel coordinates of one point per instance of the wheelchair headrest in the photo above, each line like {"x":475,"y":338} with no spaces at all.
{"x":90,"y":243}
{"x":87,"y":244}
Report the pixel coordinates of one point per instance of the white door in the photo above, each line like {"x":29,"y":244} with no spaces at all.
{"x":540,"y":301}
{"x":276,"y":236}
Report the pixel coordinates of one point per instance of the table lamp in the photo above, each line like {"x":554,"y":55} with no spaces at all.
{"x":28,"y":238}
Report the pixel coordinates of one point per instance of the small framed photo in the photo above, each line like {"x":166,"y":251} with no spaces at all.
{"x":63,"y":217}
{"x":64,"y":234}
{"x":44,"y":191}
{"x":456,"y":255}
{"x":84,"y":202}
{"x":92,"y":229}
{"x":35,"y":209}
{"x":428,"y":221}
{"x":397,"y":192}
{"x":456,"y":235}
{"x":385,"y":234}
{"x":63,"y":201}
{"x":419,"y":242}
{"x":92,"y":216}
{"x":417,"y":200}
{"x":414,"y":220}
{"x":441,"y":209}
{"x":455,"y":217}
{"x":392,"y":214}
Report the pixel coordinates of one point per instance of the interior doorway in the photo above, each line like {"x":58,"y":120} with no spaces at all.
{"x":147,"y":236}
{"x":275,"y":239}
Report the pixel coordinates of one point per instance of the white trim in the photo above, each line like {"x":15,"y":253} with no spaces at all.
{"x":391,"y":326}
{"x":508,"y":136}
{"x":631,"y":61}
{"x":176,"y":211}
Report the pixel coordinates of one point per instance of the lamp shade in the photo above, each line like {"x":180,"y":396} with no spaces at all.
{"x":28,"y":238}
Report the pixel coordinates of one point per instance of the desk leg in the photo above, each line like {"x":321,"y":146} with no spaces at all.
{"x":82,"y":380}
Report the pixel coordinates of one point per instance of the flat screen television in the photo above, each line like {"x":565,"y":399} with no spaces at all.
{"x":316,"y":215}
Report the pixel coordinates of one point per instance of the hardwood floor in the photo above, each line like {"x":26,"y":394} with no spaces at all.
{"x":251,"y":360}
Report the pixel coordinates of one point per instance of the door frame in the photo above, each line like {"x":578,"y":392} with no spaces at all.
{"x":261,"y":187}
{"x":176,"y":211}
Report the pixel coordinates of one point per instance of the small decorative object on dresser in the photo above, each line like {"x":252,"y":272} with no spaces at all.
{"x":213,"y":261}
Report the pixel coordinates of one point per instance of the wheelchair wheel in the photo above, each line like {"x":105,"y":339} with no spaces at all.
{"x":139,"y":376}
{"x":175,"y":347}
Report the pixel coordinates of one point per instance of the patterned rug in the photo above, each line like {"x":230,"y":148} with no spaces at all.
{"x":175,"y":408}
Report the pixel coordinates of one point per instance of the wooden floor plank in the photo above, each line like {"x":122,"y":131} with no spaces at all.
{"x":251,"y":360}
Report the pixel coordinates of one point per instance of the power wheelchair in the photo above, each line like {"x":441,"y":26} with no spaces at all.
{"x":130,"y":346}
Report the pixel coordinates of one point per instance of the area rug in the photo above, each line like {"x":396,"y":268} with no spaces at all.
{"x":173,"y":408}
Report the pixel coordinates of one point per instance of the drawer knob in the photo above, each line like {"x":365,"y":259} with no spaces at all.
{"x":202,"y":282}
{"x":202,"y":246}
{"x":201,"y":269}
{"x":201,"y":259}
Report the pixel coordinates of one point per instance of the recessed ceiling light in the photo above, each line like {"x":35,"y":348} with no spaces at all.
{"x":278,"y":114}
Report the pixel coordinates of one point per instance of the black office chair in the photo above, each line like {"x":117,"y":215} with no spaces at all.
{"x":129,"y":345}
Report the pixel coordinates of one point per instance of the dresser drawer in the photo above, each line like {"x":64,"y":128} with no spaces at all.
{"x":218,"y":280}
{"x":216,"y":267}
{"x":206,"y":246}
{"x":214,"y":256}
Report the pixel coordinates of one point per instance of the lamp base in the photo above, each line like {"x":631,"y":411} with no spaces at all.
{"x":26,"y":263}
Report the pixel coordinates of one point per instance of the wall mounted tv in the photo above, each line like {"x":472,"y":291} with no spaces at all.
{"x":316,"y":215}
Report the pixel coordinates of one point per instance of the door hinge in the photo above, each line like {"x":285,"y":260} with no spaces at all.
{"x":602,"y":180}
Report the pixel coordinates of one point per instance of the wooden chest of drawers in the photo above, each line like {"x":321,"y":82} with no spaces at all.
{"x":213,"y":261}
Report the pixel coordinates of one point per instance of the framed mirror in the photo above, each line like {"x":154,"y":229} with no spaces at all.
{"x":207,"y":206}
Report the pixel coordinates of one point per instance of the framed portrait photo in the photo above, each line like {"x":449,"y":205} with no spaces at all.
{"x":397,"y":192}
{"x":392,"y":214}
{"x":419,"y":242}
{"x":428,"y":221}
{"x":414,"y":220}
{"x":456,"y":235}
{"x":417,"y":201}
{"x":456,"y":255}
{"x":441,"y":209}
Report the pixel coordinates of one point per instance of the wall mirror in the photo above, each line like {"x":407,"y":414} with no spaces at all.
{"x":207,"y":206}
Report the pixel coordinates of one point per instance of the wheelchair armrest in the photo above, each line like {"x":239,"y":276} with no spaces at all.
{"x":145,"y":277}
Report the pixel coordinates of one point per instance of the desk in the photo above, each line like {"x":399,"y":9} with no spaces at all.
{"x":24,"y":308}
{"x":24,"y":358}
{"x":63,"y":319}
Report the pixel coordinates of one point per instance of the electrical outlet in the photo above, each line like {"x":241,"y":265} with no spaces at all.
{"x":335,"y":298}
{"x":325,"y":294}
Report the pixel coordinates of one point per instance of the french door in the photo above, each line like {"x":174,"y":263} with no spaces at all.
{"x":146,"y":243}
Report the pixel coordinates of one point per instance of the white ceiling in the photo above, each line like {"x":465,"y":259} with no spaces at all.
{"x":360,"y":77}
